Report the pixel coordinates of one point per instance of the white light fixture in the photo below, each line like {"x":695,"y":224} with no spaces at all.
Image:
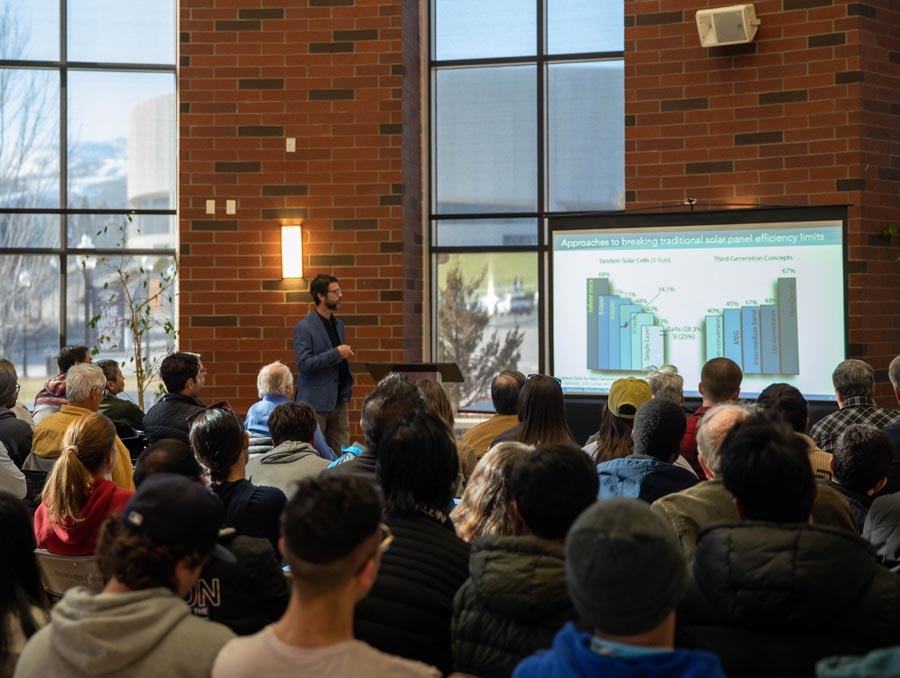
{"x":292,"y":251}
{"x":731,"y":25}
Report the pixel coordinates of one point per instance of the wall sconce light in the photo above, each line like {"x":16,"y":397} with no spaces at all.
{"x":292,"y":251}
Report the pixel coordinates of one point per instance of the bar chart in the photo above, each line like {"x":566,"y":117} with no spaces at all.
{"x":627,"y":334}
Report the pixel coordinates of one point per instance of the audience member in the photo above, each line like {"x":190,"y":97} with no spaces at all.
{"x":408,"y":611}
{"x":15,"y":434}
{"x":542,"y":414}
{"x":487,"y":506}
{"x":220,"y":443}
{"x":649,"y":473}
{"x":854,"y":388}
{"x":244,"y":595}
{"x":293,"y":427}
{"x":84,"y":391}
{"x":613,"y":439}
{"x":333,"y":541}
{"x":12,"y":479}
{"x":184,"y":376}
{"x":785,"y":402}
{"x":698,"y":507}
{"x":53,"y":395}
{"x":625,"y":576}
{"x":515,"y":600}
{"x":893,"y":432}
{"x":77,"y":497}
{"x":127,"y":417}
{"x":861,"y":462}
{"x":720,"y":382}
{"x":139,"y":625}
{"x":882,"y":530}
{"x":21,"y":613}
{"x":167,"y":455}
{"x":772,"y":593}
{"x":436,"y":398}
{"x":21,"y":412}
{"x":393,"y":396}
{"x":665,"y":382}
{"x":275,"y":386}
{"x":884,"y":663}
{"x":505,"y":389}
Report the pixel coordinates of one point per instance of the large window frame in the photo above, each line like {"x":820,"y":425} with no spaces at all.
{"x":66,"y":251}
{"x":542,"y":61}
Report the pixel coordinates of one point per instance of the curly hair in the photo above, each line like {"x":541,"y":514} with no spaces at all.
{"x":487,"y":503}
{"x":138,"y":562}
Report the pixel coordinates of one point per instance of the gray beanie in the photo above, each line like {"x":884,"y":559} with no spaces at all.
{"x":7,"y":386}
{"x":624,"y":567}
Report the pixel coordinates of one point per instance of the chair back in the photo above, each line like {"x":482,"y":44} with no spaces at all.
{"x":61,"y":573}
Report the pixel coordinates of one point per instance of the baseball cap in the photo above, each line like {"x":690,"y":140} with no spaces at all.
{"x":174,"y":510}
{"x":628,"y":391}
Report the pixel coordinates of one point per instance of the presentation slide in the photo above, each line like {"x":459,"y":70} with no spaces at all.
{"x":769,"y":296}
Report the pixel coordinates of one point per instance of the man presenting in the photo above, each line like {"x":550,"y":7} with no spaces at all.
{"x":325,"y":381}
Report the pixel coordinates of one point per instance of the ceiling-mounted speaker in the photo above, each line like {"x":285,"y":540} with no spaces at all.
{"x":731,"y":25}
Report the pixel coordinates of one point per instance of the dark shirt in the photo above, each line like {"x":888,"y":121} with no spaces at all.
{"x":893,"y":483}
{"x":859,"y":503}
{"x":253,"y":510}
{"x":344,"y":377}
{"x":855,"y":410}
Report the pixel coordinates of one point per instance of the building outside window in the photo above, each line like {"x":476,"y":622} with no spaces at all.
{"x":87,"y":140}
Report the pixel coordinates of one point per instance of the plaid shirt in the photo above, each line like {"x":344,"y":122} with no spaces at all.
{"x":855,"y":410}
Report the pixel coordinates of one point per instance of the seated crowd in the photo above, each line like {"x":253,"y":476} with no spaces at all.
{"x":730,"y":540}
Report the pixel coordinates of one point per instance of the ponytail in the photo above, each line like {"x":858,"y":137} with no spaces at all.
{"x":87,"y":443}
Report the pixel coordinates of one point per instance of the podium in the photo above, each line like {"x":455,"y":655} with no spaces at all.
{"x":440,"y":372}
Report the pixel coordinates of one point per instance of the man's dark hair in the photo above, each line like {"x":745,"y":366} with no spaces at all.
{"x":292,"y":421}
{"x":785,"y":402}
{"x":167,"y":455}
{"x":391,"y":398}
{"x":552,"y":485}
{"x":854,"y":378}
{"x":329,"y":516}
{"x":505,"y":391}
{"x":110,"y":368}
{"x":766,"y":467}
{"x":862,"y":457}
{"x":217,"y":438}
{"x":177,"y":368}
{"x":416,"y":462}
{"x":720,"y":378}
{"x":319,"y":286}
{"x":659,"y":426}
{"x":71,"y":355}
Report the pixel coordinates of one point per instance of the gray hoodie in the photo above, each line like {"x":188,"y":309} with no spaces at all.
{"x":141,"y":633}
{"x":283,"y":465}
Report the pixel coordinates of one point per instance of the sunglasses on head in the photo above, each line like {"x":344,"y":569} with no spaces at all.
{"x":224,"y":405}
{"x":549,"y":376}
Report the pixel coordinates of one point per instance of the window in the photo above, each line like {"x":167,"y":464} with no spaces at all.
{"x":527,"y":120}
{"x":87,"y":173}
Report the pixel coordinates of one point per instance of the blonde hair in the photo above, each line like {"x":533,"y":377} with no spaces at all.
{"x":487,"y":505}
{"x":86,"y":445}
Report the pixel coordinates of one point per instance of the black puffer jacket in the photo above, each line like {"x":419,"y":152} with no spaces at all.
{"x":512,"y":605}
{"x":408,"y":611}
{"x":772,"y":599}
{"x":169,"y":417}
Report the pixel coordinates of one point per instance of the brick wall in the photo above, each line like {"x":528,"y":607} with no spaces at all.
{"x":329,"y":73}
{"x":807,"y":114}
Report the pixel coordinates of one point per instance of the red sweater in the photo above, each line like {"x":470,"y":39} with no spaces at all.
{"x":80,"y":539}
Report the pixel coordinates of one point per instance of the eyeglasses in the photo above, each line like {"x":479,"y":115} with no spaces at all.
{"x":549,"y":376}
{"x":387,"y":538}
{"x":337,"y":291}
{"x":224,"y":405}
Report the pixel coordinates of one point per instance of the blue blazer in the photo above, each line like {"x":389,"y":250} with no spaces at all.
{"x":320,"y":364}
